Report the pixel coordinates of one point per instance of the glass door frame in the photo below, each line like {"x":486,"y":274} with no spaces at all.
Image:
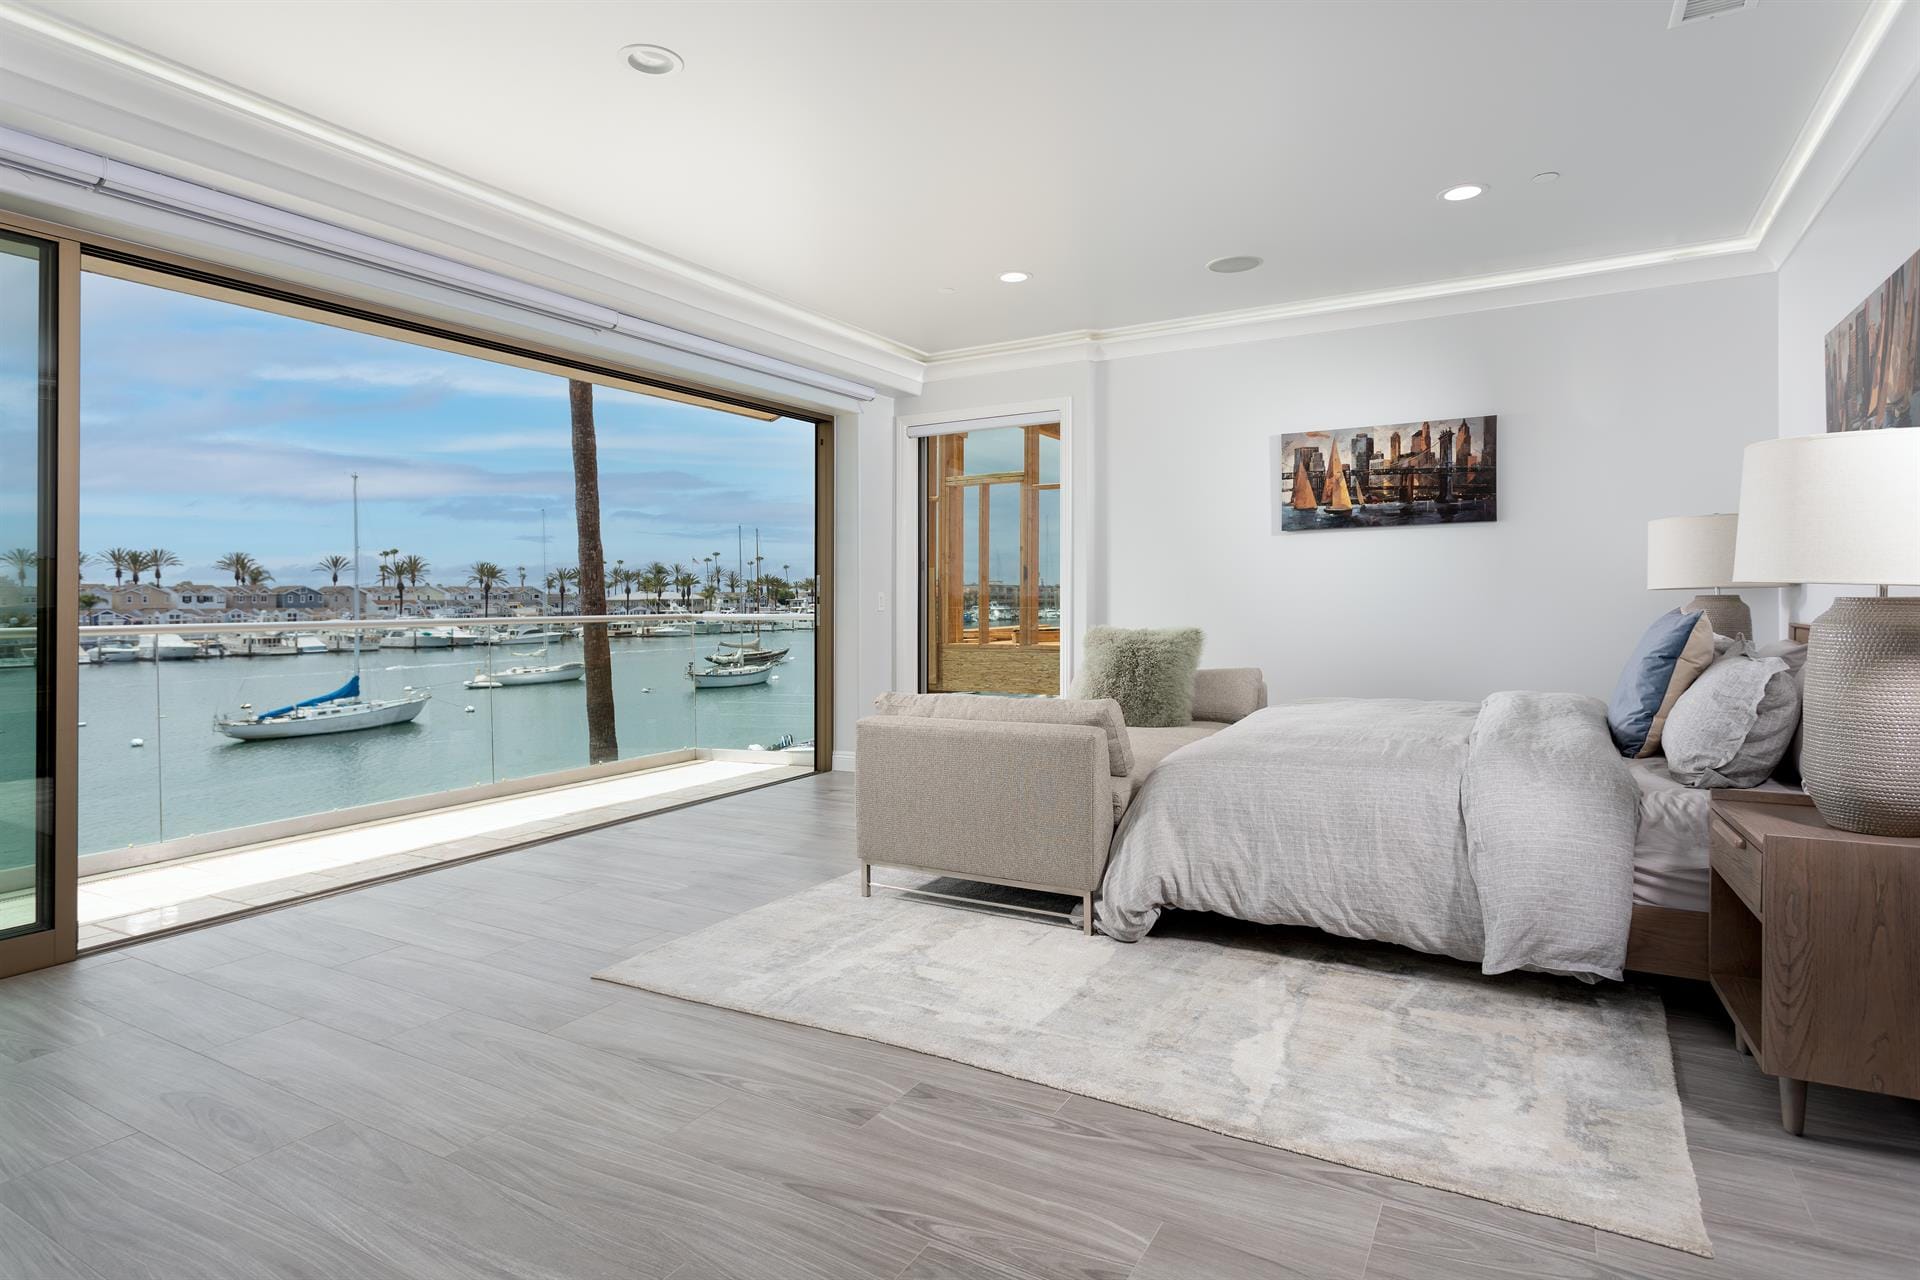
{"x":77,"y":248}
{"x":58,"y":864}
{"x":941,"y":497}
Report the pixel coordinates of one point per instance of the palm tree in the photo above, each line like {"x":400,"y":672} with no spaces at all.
{"x":559,"y":580}
{"x":809,"y":587}
{"x":258,"y":576}
{"x":522,"y":571}
{"x":83,"y":559}
{"x":678,"y":578}
{"x":89,"y":601}
{"x":160,"y":558}
{"x":486,"y":575}
{"x":332,"y":565}
{"x":602,"y":744}
{"x":708,"y":593}
{"x":408,"y":569}
{"x":116,"y":558}
{"x":622,"y":579}
{"x":237,"y":563}
{"x":654,"y":581}
{"x":733,"y":583}
{"x":22,"y":560}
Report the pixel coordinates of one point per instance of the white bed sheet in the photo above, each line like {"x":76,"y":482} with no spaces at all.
{"x":1670,"y":851}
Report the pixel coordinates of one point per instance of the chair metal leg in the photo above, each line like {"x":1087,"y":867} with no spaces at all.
{"x":1086,"y":913}
{"x":866,"y":879}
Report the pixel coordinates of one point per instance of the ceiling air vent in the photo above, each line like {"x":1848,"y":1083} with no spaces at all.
{"x":1686,"y":11}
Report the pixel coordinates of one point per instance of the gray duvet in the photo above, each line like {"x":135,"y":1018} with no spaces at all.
{"x":1501,"y":833}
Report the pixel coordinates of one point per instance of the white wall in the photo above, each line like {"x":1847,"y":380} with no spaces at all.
{"x":1613,"y":410}
{"x":1869,"y":227}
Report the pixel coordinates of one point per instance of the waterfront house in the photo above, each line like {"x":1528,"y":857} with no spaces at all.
{"x":300,"y":598}
{"x":143,"y":599}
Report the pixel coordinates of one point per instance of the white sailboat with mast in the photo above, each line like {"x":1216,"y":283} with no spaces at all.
{"x":341,"y":711}
{"x":539,"y":672}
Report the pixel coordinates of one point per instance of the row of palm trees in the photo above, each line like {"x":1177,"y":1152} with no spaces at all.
{"x":401,"y":571}
{"x":124,"y":561}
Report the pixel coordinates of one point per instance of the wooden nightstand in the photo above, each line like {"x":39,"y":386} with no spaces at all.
{"x":1813,"y":945}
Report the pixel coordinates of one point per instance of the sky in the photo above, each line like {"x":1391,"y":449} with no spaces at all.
{"x":209,"y":427}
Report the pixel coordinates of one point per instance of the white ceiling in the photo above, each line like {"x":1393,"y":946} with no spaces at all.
{"x":859,"y":159}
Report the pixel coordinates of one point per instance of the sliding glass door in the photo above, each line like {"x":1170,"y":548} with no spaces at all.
{"x":992,"y":560}
{"x":32,"y":904}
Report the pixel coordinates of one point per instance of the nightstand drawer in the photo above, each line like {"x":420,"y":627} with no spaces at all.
{"x":1737,"y":860}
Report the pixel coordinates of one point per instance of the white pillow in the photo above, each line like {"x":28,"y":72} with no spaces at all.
{"x":1733,"y":724}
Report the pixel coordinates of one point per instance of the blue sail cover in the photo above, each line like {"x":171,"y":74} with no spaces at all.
{"x":351,"y":689}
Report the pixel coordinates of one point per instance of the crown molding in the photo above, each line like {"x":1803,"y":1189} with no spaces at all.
{"x":78,"y":87}
{"x":1624,"y":274}
{"x":73,"y":86}
{"x":1881,"y":62}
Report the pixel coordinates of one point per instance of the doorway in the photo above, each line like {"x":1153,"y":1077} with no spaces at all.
{"x":991,"y":559}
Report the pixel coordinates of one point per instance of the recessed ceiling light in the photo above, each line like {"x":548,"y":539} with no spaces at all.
{"x":1014,"y":277}
{"x":1465,"y":191}
{"x":652,"y":59}
{"x":1547,"y":175}
{"x":1237,"y":263}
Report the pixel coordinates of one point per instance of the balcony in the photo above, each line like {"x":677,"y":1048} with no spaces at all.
{"x":202,"y":795}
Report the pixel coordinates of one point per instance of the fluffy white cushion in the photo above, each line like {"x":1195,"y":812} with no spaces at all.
{"x":1732,"y":725}
{"x":1148,"y":672}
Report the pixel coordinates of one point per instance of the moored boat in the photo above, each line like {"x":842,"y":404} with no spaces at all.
{"x":749,"y":656}
{"x":557,"y":673}
{"x":341,"y":711}
{"x":729,"y":677}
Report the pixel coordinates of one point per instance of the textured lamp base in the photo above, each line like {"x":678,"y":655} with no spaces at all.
{"x":1729,"y":615}
{"x":1861,"y":758}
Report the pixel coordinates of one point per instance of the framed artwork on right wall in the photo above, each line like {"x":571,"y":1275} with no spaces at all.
{"x":1873,"y":357}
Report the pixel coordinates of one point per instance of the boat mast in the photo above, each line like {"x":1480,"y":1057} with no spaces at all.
{"x":356,"y":574}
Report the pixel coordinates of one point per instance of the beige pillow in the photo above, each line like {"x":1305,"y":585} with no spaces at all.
{"x":1695,"y":658}
{"x":1099,"y":713}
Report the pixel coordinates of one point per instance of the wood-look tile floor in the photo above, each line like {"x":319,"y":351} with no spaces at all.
{"x":419,"y":1079}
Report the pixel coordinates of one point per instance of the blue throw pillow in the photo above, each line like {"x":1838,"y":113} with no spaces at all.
{"x":1674,"y":650}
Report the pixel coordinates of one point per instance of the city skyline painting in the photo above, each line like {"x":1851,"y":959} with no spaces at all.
{"x":1873,"y":357}
{"x":1436,"y":471}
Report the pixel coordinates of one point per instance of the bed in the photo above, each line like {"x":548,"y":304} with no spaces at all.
{"x":1508,"y":832}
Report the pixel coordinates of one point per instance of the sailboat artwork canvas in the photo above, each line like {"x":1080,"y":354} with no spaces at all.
{"x":1440,"y":471}
{"x":1873,"y":358}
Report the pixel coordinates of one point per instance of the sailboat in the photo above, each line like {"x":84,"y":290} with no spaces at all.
{"x":749,"y":652}
{"x":535,"y":673}
{"x":341,"y":711}
{"x":1335,"y":497}
{"x":730,"y":677}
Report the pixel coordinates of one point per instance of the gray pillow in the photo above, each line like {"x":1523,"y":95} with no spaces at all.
{"x":1732,"y":725}
{"x":1794,"y":654}
{"x":1101,"y":714}
{"x":1149,"y":673}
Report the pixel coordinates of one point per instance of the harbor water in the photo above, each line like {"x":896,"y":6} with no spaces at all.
{"x":186,"y":779}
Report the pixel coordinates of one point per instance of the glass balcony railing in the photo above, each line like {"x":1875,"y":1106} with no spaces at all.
{"x":187,"y":743}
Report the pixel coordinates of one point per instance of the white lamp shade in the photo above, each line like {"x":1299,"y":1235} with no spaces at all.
{"x":1841,"y":508}
{"x":1690,"y":552}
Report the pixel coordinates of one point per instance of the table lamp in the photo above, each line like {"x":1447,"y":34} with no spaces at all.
{"x":1696,"y":552}
{"x":1844,"y":508}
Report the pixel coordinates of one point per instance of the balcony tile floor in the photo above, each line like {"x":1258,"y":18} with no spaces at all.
{"x":122,"y":904}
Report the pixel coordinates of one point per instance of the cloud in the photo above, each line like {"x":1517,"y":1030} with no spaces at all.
{"x":467,"y":377}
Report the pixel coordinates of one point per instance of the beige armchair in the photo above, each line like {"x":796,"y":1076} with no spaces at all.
{"x":1015,"y":791}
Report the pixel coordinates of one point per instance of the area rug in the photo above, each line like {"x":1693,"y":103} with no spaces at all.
{"x":1539,"y":1093}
